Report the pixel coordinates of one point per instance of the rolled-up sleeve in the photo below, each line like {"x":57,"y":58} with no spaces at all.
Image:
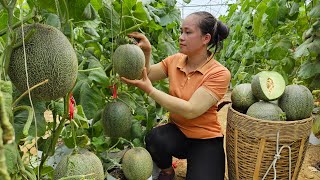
{"x":217,"y":83}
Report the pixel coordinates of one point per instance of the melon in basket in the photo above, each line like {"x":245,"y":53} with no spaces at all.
{"x":296,"y":102}
{"x":268,"y":85}
{"x":266,"y":111}
{"x":242,"y":97}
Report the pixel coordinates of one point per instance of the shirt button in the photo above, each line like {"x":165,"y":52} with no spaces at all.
{"x":188,"y":78}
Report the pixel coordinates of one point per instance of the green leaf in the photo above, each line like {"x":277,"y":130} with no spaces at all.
{"x":154,"y":26}
{"x":90,"y":99}
{"x":97,"y":4}
{"x":309,"y":69}
{"x":155,"y":13}
{"x":20,"y":118}
{"x":48,"y":5}
{"x":101,"y":143}
{"x":273,"y":12}
{"x":80,"y":118}
{"x":169,"y":2}
{"x":302,"y":50}
{"x":166,"y":45}
{"x":137,"y":130}
{"x":141,"y":12}
{"x":258,"y":28}
{"x":98,"y":75}
{"x":81,"y":78}
{"x":91,"y":31}
{"x":110,"y":17}
{"x":96,"y":129}
{"x":315,"y":13}
{"x":294,"y":9}
{"x":53,"y":20}
{"x":280,"y":49}
{"x":76,"y":9}
{"x":171,"y":16}
{"x":90,"y":13}
{"x":288,"y":64}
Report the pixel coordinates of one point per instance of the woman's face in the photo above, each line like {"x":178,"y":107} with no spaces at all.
{"x":191,"y":39}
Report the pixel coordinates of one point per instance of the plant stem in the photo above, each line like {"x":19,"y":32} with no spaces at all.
{"x":132,"y":28}
{"x":26,"y":92}
{"x":26,"y":38}
{"x":51,"y":148}
{"x":56,"y":133}
{"x":134,"y":18}
{"x":17,"y":24}
{"x":88,"y":70}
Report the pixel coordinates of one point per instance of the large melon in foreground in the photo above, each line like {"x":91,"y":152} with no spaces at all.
{"x":242,"y":97}
{"x":116,"y":120}
{"x":268,"y":85}
{"x":266,"y":111}
{"x":79,"y":163}
{"x":137,"y":164}
{"x":296,"y":102}
{"x":129,"y":61}
{"x":49,"y":55}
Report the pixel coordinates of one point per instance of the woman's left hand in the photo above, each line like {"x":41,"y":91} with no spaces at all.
{"x":144,"y":83}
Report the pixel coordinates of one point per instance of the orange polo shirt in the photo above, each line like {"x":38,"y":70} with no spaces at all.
{"x":212,"y":76}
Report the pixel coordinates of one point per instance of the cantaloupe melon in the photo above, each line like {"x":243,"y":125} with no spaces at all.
{"x":116,"y":120}
{"x":49,"y":55}
{"x":296,"y":102}
{"x":79,"y":163}
{"x":266,"y":111}
{"x":268,"y":85}
{"x":128,"y":61}
{"x":242,"y":97}
{"x":137,"y":164}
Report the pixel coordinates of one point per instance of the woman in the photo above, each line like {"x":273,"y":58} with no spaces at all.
{"x":196,"y":83}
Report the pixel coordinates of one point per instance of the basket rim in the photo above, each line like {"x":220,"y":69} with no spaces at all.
{"x":270,"y":121}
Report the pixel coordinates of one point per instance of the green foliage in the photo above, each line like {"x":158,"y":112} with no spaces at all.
{"x":269,"y":35}
{"x":94,"y":28}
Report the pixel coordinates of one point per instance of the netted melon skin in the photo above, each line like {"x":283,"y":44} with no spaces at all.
{"x":137,"y":164}
{"x":266,"y":110}
{"x":296,"y":102}
{"x":116,"y":120}
{"x":49,"y":55}
{"x":82,"y":163}
{"x":129,"y":61}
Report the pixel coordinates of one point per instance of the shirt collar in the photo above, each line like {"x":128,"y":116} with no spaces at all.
{"x":182,"y":63}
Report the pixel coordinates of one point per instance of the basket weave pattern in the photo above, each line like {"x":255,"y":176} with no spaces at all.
{"x":251,"y":146}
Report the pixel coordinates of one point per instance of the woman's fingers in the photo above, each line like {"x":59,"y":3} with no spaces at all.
{"x":136,"y":35}
{"x":144,"y":72}
{"x":128,"y":81}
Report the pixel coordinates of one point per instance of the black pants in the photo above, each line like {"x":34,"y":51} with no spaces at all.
{"x":205,"y":157}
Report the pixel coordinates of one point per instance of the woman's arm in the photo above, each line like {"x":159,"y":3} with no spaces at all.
{"x":199,"y":103}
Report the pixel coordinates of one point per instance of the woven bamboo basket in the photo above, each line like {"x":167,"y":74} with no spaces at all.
{"x":261,"y":149}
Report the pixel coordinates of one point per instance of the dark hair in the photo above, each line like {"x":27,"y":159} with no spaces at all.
{"x":211,"y":25}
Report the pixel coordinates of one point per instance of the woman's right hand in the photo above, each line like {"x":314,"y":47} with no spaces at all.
{"x":142,"y":42}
